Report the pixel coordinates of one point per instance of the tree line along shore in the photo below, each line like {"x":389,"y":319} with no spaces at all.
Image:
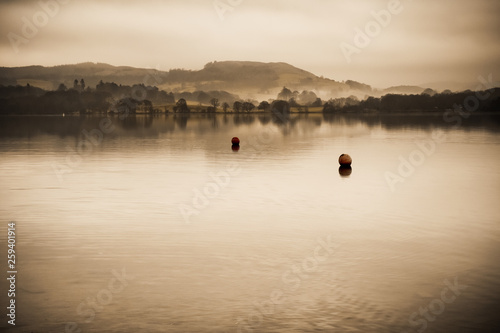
{"x":110,"y":97}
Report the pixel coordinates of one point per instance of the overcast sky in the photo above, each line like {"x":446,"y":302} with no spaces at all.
{"x":425,"y":40}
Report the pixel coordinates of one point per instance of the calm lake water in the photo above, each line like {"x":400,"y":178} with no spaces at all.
{"x":158,"y":225}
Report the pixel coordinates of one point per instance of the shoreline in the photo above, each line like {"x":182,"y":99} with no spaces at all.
{"x":339,"y":113}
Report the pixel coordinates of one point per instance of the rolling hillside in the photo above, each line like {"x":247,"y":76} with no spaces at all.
{"x":245,"y":78}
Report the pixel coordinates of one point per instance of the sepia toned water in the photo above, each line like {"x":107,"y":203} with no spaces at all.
{"x":155,"y":224}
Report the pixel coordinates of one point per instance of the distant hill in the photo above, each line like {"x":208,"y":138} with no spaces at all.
{"x":403,"y":90}
{"x":92,"y":73}
{"x":248,"y":79}
{"x":452,"y":86}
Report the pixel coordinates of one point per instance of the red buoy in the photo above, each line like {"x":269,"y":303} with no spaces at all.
{"x":235,"y":141}
{"x":345,"y":160}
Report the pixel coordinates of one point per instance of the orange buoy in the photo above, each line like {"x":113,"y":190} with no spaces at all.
{"x":235,"y":141}
{"x":345,"y":160}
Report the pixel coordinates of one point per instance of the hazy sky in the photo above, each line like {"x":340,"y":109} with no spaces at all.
{"x":421,"y":41}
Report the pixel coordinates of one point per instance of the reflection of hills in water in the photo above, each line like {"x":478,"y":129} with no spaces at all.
{"x":150,"y":126}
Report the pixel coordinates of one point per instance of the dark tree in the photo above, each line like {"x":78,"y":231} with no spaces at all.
{"x":181,"y":106}
{"x":95,"y":101}
{"x":248,"y":107}
{"x":215,"y":103}
{"x":371,"y":103}
{"x":75,"y":84}
{"x":237,"y":106}
{"x":147,"y":105}
{"x":328,"y":107}
{"x":264,"y":105}
{"x":62,"y":87}
{"x":61,"y":102}
{"x":82,"y":83}
{"x":317,"y":103}
{"x":280,"y":107}
{"x":126,"y":105}
{"x":225,"y":106}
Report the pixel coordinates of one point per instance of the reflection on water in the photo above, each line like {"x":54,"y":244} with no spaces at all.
{"x":26,"y":126}
{"x":345,"y":171}
{"x":153,"y":224}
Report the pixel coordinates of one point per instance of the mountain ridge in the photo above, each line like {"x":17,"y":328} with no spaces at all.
{"x":249,"y":78}
{"x":252,"y":79}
